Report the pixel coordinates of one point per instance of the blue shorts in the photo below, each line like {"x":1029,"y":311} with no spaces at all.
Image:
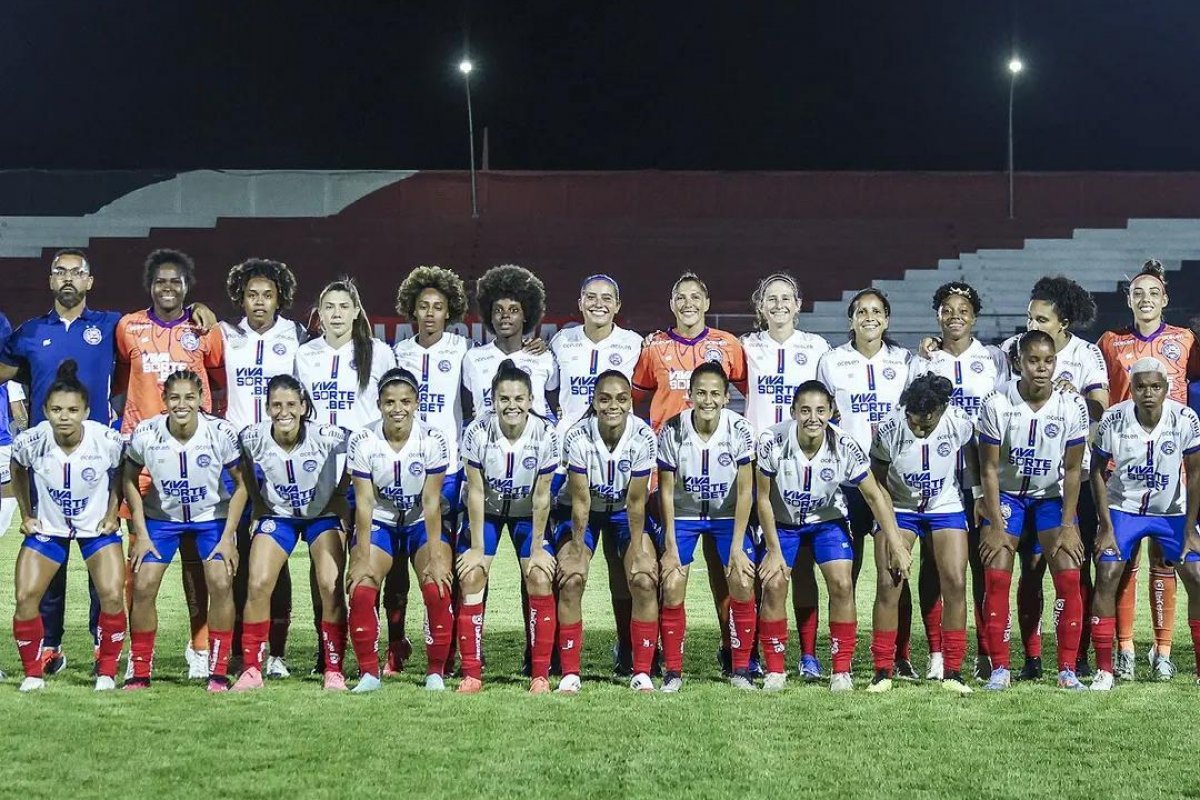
{"x":57,"y":548}
{"x":830,"y":541}
{"x":924,"y":524}
{"x":166,"y":536}
{"x":1129,"y":529}
{"x":287,"y":531}
{"x":452,"y":491}
{"x":520,"y":531}
{"x":400,"y":540}
{"x":614,"y":525}
{"x":1028,"y":517}
{"x":688,"y":532}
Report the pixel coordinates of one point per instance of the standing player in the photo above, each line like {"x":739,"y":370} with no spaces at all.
{"x":152,"y":344}
{"x":1031,"y":438}
{"x":512,"y":301}
{"x":706,"y":489}
{"x":801,"y":466}
{"x":301,"y":496}
{"x":1151,"y":441}
{"x":609,"y":456}
{"x":1177,"y":350}
{"x":916,"y":455}
{"x":433,"y":298}
{"x":510,"y":455}
{"x":398,"y":465}
{"x":259,"y":347}
{"x":778,"y":359}
{"x":74,"y":461}
{"x":867,"y":375}
{"x":185,"y":454}
{"x":582,"y":352}
{"x":975,"y":370}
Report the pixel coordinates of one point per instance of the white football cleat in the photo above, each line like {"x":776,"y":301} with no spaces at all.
{"x":641,"y":683}
{"x":570,"y":684}
{"x":1103,"y":681}
{"x":105,"y":683}
{"x":937,"y":669}
{"x":197,"y":661}
{"x":32,"y":685}
{"x":841,"y":682}
{"x":276,"y":668}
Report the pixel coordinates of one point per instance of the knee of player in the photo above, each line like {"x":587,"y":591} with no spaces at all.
{"x":775,"y":586}
{"x":28,"y":599}
{"x":112,"y":598}
{"x":674,"y":588}
{"x":474,"y":582}
{"x":954,"y":583}
{"x":146,"y":590}
{"x":572,"y":584}
{"x":643,"y":583}
{"x":219,"y":581}
{"x":840,"y":585}
{"x":741,"y":584}
{"x":538,"y":583}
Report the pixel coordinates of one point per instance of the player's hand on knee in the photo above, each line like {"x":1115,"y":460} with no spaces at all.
{"x":141,"y":547}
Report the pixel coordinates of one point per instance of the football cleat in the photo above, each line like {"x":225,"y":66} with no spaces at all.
{"x":810,"y":669}
{"x":539,"y":686}
{"x":775,"y":682}
{"x":641,"y":683}
{"x":1124,"y":665}
{"x":841,"y":682}
{"x":32,"y":685}
{"x":105,"y":683}
{"x":570,"y":684}
{"x":53,"y":661}
{"x":1031,"y":670}
{"x":469,"y":685}
{"x":1067,"y":680}
{"x":366,"y":683}
{"x":1103,"y":682}
{"x":672,"y":682}
{"x":953,"y":682}
{"x":197,"y":661}
{"x":743,"y":681}
{"x":937,"y":667}
{"x":999,"y":680}
{"x":334,"y":681}
{"x":903,"y":670}
{"x":277,"y":668}
{"x":250,"y":679}
{"x":882,"y":682}
{"x":434,"y":683}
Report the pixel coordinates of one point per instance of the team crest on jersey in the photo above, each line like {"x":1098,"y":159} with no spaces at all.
{"x":724,"y":459}
{"x":1171,"y":350}
{"x":889,"y":373}
{"x":189,"y":341}
{"x":266,"y":526}
{"x":801,"y":359}
{"x":529,"y":462}
{"x":944,"y":449}
{"x":1066,"y":376}
{"x":444,"y":365}
{"x":712,"y":354}
{"x":624,"y":465}
{"x":977,"y":367}
{"x":88,"y":474}
{"x":92,"y":335}
{"x":279,"y":349}
{"x":614,"y":359}
{"x":827,"y":474}
{"x":416,"y":468}
{"x":1051,"y":430}
{"x":310,"y":465}
{"x":1168,"y":448}
{"x":203,"y":460}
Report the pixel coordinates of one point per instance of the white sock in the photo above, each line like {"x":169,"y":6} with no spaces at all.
{"x":8,"y":507}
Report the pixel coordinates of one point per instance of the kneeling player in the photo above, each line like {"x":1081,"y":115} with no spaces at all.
{"x":1150,"y":440}
{"x":801,"y":466}
{"x":185,"y":453}
{"x":609,"y":455}
{"x":301,"y":498}
{"x":915,"y":454}
{"x":398,"y":464}
{"x":1031,"y":439}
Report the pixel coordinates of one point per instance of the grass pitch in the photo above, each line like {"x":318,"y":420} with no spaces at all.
{"x":291,"y":740}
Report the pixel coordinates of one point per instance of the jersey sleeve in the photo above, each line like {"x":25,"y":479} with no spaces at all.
{"x":1095,"y":371}
{"x":468,"y":379}
{"x":22,"y":447}
{"x":645,"y":372}
{"x":358,"y":460}
{"x":137,"y":444}
{"x":472,"y":445}
{"x":668,"y":447}
{"x":823,"y":370}
{"x":737,"y":361}
{"x":1077,"y":433}
{"x":16,"y":392}
{"x":437,"y":452}
{"x":854,"y":461}
{"x":742,"y":442}
{"x":552,"y":378}
{"x":549,"y":456}
{"x":645,"y":455}
{"x":1003,"y":368}
{"x":250,"y":442}
{"x":1191,"y":431}
{"x":768,"y":458}
{"x":338,"y":438}
{"x":121,"y":376}
{"x":214,"y":353}
{"x":114,"y":446}
{"x":226,"y":444}
{"x":882,"y":442}
{"x":575,"y":455}
{"x":964,"y":429}
{"x":989,"y":421}
{"x":1103,"y":445}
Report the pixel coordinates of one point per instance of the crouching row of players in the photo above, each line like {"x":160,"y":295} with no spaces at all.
{"x":1026,"y":452}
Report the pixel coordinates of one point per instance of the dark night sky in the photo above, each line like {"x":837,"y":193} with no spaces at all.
{"x":740,"y":84}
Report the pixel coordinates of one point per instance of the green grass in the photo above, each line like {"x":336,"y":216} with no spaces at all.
{"x":292,"y":740}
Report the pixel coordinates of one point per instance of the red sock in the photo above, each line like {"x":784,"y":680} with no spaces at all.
{"x":904,"y":630}
{"x":364,"y":628}
{"x":439,"y":628}
{"x":672,"y":626}
{"x":254,"y":636}
{"x":1104,"y":631}
{"x":469,"y":626}
{"x":570,"y":647}
{"x":842,"y":641}
{"x":883,"y":649}
{"x":981,"y":643}
{"x":997,"y":584}
{"x":141,"y":652}
{"x":1029,"y":616}
{"x":742,"y":619}
{"x":110,"y":630}
{"x":543,"y":620}
{"x":29,"y":634}
{"x":645,"y":639}
{"x":1194,"y":624}
{"x":806,"y":626}
{"x":1068,"y":610}
{"x":219,"y":645}
{"x":954,"y":649}
{"x":773,"y":638}
{"x":933,"y":626}
{"x":333,"y":641}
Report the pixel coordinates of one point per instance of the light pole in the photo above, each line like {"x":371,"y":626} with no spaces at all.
{"x":465,"y":67}
{"x":1014,"y":69}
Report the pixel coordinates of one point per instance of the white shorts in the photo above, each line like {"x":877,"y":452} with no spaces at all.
{"x":5,"y":458}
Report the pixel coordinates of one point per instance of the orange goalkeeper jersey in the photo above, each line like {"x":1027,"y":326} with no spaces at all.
{"x":665,"y":366}
{"x":148,"y":350}
{"x":1175,"y":347}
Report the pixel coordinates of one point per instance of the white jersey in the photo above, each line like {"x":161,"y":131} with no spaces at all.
{"x":185,"y":477}
{"x":251,"y":360}
{"x":332,"y":381}
{"x":510,"y":469}
{"x":1032,"y":444}
{"x":1080,"y":363}
{"x":979,"y":371}
{"x":923,"y":473}
{"x":72,"y":490}
{"x":774,"y":370}
{"x":705,"y":471}
{"x":805,"y":491}
{"x":397,"y":475}
{"x":439,"y":370}
{"x":1147,"y":465}
{"x":580,"y":360}
{"x":865,"y":389}
{"x":481,"y":363}
{"x":299,"y":483}
{"x":608,"y":471}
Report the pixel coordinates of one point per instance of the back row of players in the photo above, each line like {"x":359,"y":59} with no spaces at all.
{"x":306,"y":422}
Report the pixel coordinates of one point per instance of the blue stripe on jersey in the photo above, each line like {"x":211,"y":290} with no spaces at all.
{"x":704,"y":462}
{"x":780,"y":361}
{"x":957,"y":373}
{"x":808,"y":479}
{"x":509,"y":464}
{"x":871,"y":377}
{"x":333,"y":367}
{"x":925,"y":457}
{"x":183,"y":467}
{"x":67,"y":475}
{"x":425,"y":369}
{"x":258,"y":353}
{"x":1150,"y":454}
{"x":397,"y":473}
{"x":1033,"y":428}
{"x":291,"y":471}
{"x":594,"y":362}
